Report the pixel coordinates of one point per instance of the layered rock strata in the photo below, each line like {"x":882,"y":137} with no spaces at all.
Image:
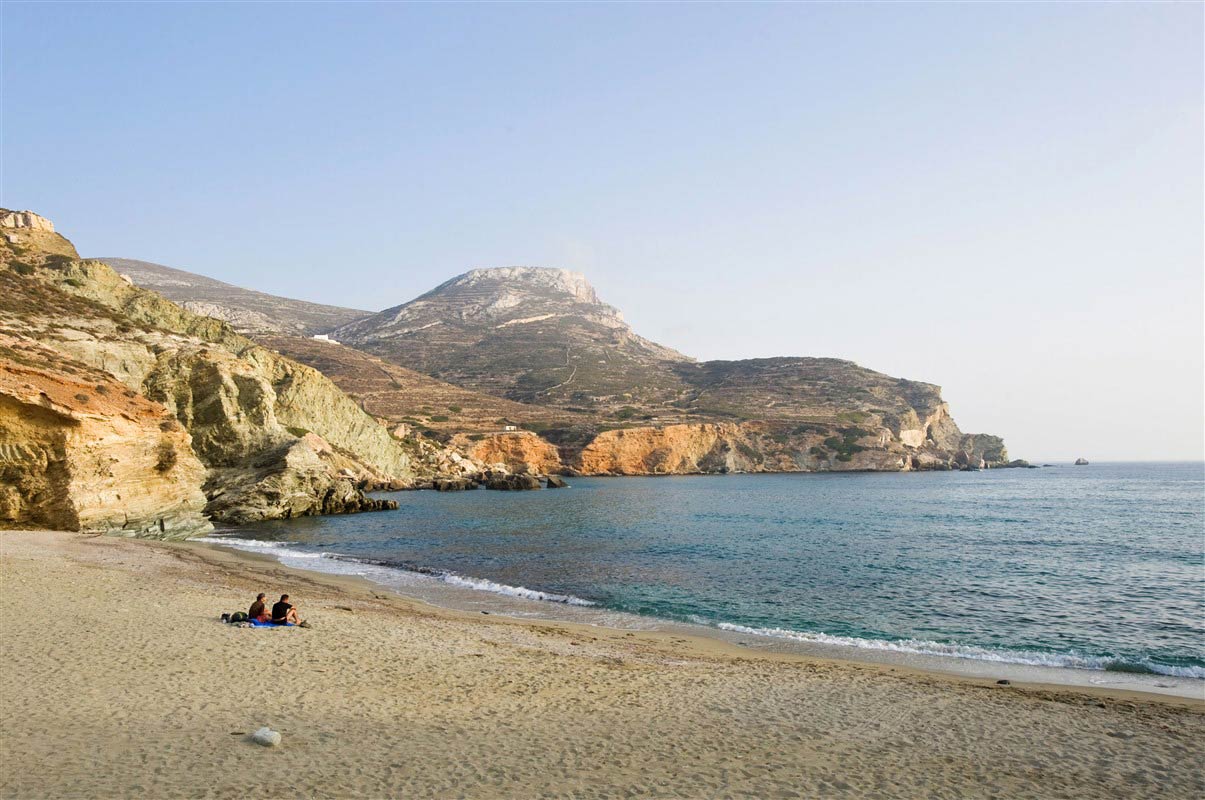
{"x":257,"y":436}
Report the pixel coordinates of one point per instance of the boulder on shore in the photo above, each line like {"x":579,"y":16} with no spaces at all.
{"x":453,"y":484}
{"x":512,"y":483}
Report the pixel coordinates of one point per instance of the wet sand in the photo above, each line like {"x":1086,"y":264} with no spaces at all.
{"x":118,"y":680}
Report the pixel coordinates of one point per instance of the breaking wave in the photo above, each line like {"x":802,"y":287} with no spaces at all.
{"x":286,"y":554}
{"x":1004,"y":656}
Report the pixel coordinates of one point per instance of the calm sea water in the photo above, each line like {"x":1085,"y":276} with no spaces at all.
{"x":1099,"y":567}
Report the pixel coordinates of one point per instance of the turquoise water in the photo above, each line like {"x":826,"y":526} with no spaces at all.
{"x":1099,"y":567}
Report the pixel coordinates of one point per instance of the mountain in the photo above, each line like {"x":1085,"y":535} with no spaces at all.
{"x":246,"y":310}
{"x":536,"y":348}
{"x":529,"y":334}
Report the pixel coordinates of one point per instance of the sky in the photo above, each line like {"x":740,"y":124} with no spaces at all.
{"x":1002,"y":199}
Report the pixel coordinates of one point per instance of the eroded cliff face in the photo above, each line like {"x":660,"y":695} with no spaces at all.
{"x":271,"y":437}
{"x":520,"y":452}
{"x":770,"y":447}
{"x":298,"y":478}
{"x":91,"y":455}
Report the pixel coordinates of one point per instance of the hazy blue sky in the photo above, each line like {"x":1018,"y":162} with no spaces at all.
{"x":1002,"y":199}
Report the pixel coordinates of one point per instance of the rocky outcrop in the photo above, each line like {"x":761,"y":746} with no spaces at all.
{"x":674,"y":449}
{"x":294,"y":480}
{"x":91,"y":455}
{"x":511,"y":483}
{"x":520,"y":451}
{"x":765,"y":447}
{"x":981,"y":451}
{"x":1081,"y":462}
{"x":275,"y":438}
{"x":453,"y":484}
{"x":25,"y":219}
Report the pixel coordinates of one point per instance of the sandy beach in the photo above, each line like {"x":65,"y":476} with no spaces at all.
{"x":118,"y":680}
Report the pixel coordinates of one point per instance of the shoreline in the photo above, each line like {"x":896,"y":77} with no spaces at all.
{"x":131,"y":687}
{"x":430,"y":591}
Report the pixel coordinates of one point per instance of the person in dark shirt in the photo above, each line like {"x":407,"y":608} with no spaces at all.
{"x":284,"y":613}
{"x":259,"y":609}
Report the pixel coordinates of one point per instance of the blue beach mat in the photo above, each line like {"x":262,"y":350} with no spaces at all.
{"x":258,"y":624}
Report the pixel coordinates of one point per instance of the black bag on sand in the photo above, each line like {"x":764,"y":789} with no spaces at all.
{"x":237,"y":616}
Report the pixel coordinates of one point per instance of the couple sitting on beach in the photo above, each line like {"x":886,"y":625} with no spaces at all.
{"x":283,"y":613}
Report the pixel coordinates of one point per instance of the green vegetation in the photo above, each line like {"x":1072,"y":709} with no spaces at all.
{"x":439,"y":418}
{"x":455,"y":409}
{"x":748,"y":452}
{"x":167,"y":457}
{"x":298,"y":432}
{"x":845,"y":445}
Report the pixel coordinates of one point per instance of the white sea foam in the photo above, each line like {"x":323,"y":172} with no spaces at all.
{"x":481,"y":584}
{"x":389,"y":573}
{"x":340,"y":564}
{"x":232,"y":541}
{"x":1004,"y":656}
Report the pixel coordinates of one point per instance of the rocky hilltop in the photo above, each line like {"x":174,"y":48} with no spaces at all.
{"x":247,"y":311}
{"x":121,"y":411}
{"x":529,"y":334}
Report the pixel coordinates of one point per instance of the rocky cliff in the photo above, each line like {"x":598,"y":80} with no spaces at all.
{"x":275,"y":438}
{"x":521,"y":452}
{"x":710,"y":448}
{"x":80,"y":451}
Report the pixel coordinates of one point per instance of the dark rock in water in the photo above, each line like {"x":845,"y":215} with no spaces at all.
{"x":512,"y":483}
{"x":1081,"y":462}
{"x":1018,"y":463}
{"x":555,"y":482}
{"x":453,"y":485}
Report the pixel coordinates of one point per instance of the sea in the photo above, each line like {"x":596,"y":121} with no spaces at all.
{"x":1098,"y":569}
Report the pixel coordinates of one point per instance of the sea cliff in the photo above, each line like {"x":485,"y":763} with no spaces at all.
{"x":257,"y":436}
